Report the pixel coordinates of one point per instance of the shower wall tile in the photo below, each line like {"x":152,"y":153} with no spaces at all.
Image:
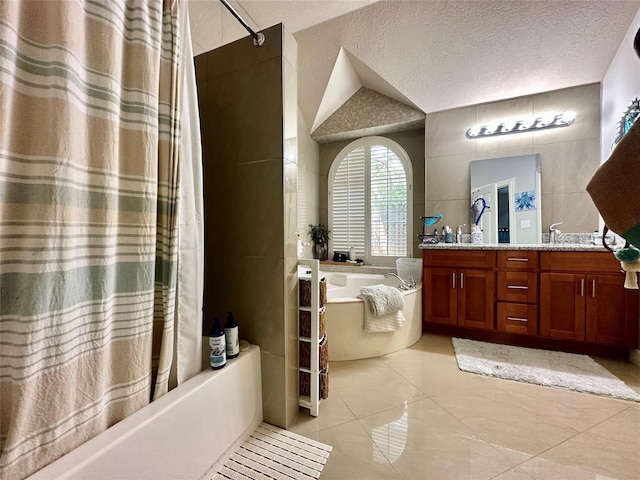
{"x":274,"y":399}
{"x":249,"y":122}
{"x":243,"y":55}
{"x":251,"y":221}
{"x":251,"y":184}
{"x":253,"y":289}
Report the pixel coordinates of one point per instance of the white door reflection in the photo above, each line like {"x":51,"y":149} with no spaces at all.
{"x":390,"y":439}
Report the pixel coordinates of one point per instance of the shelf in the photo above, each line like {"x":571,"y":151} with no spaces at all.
{"x":309,"y":272}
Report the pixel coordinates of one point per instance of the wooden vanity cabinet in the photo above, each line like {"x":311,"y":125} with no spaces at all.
{"x":582,"y":298}
{"x":455,"y":293}
{"x":565,"y":300}
{"x":517,"y":292}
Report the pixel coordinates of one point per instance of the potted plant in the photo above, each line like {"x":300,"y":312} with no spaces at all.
{"x":320,"y":237}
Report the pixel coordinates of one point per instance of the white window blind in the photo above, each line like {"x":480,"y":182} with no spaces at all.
{"x":348,"y":203}
{"x":388,"y":204}
{"x":369,"y":206}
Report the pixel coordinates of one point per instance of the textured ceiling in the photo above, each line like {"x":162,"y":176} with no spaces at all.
{"x":439,"y":54}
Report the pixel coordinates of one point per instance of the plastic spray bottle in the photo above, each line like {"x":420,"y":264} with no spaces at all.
{"x":218,"y":356}
{"x":232,"y":338}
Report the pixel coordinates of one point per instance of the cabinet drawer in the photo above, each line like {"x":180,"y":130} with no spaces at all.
{"x":517,"y":318}
{"x":459,"y":258}
{"x":518,"y":259}
{"x":521,"y":287}
{"x":579,"y":262}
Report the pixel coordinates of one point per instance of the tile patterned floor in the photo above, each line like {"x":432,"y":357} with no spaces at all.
{"x":413,"y":415}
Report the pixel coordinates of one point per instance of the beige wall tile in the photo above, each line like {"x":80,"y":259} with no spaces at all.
{"x":455,"y":212}
{"x":569,"y":156}
{"x":576,"y":210}
{"x":584,"y":100}
{"x":567,"y":167}
{"x":445,"y":132}
{"x":448,"y":177}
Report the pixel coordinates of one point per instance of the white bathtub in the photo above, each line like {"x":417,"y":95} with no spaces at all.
{"x":345,"y":318}
{"x":182,"y":435}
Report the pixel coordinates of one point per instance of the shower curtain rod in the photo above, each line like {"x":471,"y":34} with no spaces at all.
{"x":258,"y":38}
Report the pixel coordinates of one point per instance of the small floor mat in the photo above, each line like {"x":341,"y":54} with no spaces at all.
{"x":273,"y":453}
{"x":542,"y":367}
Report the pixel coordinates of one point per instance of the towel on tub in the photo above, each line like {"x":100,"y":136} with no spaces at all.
{"x":382,"y":308}
{"x":391,"y":322}
{"x":383,"y":299}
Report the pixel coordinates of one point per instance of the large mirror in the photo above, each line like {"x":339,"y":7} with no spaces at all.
{"x":511,"y":188}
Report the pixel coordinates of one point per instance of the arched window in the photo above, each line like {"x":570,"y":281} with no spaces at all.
{"x":370,"y":204}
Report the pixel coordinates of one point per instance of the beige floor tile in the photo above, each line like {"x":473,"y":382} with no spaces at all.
{"x":417,"y":416}
{"x":333,"y":412}
{"x":611,"y":448}
{"x":514,"y":474}
{"x":422,"y":440}
{"x":372,"y":389}
{"x":354,"y":455}
{"x":628,"y":372}
{"x":539,"y":469}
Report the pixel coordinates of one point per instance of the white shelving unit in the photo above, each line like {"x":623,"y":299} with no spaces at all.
{"x":310,"y":270}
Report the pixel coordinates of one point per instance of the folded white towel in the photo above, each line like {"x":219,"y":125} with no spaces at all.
{"x":383,"y":299}
{"x":390,"y":322}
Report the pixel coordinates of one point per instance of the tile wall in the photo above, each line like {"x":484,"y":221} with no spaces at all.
{"x":248,"y":109}
{"x":569,"y":156}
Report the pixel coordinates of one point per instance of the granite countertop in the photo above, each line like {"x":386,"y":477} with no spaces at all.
{"x":560,"y":247}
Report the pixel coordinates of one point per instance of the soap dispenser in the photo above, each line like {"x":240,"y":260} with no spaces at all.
{"x":217,"y":357}
{"x":231,"y":336}
{"x":352,"y":253}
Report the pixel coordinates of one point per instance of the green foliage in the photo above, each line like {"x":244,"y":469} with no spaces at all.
{"x":319,"y":234}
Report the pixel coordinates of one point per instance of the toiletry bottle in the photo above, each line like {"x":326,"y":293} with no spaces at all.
{"x":218,"y":357}
{"x":352,"y":253}
{"x":459,"y":234}
{"x":231,"y":336}
{"x":448,"y":234}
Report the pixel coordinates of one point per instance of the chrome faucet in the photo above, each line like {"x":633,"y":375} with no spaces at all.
{"x":553,"y":232}
{"x":403,"y":285}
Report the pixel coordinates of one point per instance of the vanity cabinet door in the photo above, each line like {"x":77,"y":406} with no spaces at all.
{"x":439,"y":292}
{"x":612,"y":311}
{"x":562,"y":306}
{"x":476,"y":298}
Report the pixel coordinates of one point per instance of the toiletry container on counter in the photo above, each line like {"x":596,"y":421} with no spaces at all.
{"x":231,"y":336}
{"x":217,"y":345}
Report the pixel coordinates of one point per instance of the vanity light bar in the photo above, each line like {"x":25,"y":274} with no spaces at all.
{"x":516,"y":126}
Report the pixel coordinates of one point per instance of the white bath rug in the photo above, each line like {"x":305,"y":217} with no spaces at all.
{"x":542,"y":367}
{"x":272,"y":453}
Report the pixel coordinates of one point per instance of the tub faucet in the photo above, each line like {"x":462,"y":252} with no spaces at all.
{"x":403,"y":285}
{"x":553,"y":232}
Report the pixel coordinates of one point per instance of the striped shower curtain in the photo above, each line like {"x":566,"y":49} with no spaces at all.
{"x":90,"y":198}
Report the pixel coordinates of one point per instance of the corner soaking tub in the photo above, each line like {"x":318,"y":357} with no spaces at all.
{"x":345,"y":318}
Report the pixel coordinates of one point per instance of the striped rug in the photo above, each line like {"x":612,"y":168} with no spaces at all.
{"x":272,"y":453}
